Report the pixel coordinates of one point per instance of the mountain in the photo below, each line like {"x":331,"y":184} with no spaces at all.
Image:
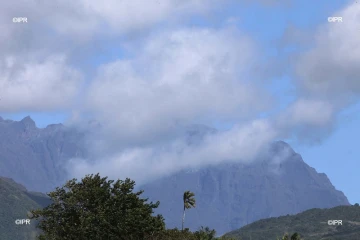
{"x":32,"y":156}
{"x":311,"y":225}
{"x":15,"y":203}
{"x":230,"y":196}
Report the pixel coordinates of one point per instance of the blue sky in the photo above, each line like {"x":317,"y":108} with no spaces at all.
{"x":282,"y":33}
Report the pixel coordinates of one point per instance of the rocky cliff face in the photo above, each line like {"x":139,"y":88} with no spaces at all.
{"x":34,"y":156}
{"x":230,"y":196}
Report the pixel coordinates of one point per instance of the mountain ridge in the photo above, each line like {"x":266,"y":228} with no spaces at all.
{"x":245,"y":192}
{"x":15,"y":203}
{"x":45,"y":149}
{"x":229,"y":195}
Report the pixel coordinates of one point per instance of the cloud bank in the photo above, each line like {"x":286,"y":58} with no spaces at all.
{"x":166,"y":80}
{"x":241,"y":144}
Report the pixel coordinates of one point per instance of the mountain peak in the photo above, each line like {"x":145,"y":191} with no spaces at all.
{"x":28,"y":122}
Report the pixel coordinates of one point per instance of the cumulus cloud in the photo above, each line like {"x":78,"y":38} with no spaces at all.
{"x":326,"y":76}
{"x":166,"y":81}
{"x":177,"y":78}
{"x":306,"y":120}
{"x":196,"y":74}
{"x":27,"y":84}
{"x":84,"y":18}
{"x":308,"y":112}
{"x":33,"y":77}
{"x":70,"y":27}
{"x":330,"y":69}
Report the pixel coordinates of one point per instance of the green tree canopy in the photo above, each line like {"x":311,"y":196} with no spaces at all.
{"x":295,"y":236}
{"x":205,"y":233}
{"x":97,"y":208}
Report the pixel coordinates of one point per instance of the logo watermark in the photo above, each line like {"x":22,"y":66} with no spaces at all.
{"x":335,"y":19}
{"x":20,"y":20}
{"x":22,"y":221}
{"x":334,"y":222}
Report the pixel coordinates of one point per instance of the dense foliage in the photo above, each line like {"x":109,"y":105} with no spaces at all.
{"x":97,"y":208}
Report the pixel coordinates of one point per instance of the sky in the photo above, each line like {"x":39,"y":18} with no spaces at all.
{"x":259,"y":71}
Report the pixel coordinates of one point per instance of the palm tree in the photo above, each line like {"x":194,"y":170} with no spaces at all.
{"x":189,"y":202}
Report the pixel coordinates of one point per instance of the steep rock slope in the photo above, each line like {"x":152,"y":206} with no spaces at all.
{"x":34,"y":156}
{"x":230,"y":196}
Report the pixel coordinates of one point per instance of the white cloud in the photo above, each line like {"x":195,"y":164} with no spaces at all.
{"x":240,"y":144}
{"x":308,"y":121}
{"x":326,"y":76}
{"x":330,"y":70}
{"x":188,"y":74}
{"x":84,"y":18}
{"x":39,"y":81}
{"x":308,"y":112}
{"x":177,"y":77}
{"x":173,"y":78}
{"x":31,"y":85}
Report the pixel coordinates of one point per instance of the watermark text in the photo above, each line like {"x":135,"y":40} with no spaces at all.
{"x":20,"y":20}
{"x":22,"y":221}
{"x":335,"y":19}
{"x":334,"y":222}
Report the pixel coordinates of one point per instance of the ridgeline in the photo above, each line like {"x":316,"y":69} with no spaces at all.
{"x":311,"y":224}
{"x":15,"y":203}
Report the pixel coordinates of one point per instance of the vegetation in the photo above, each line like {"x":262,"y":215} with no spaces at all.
{"x":311,"y":224}
{"x":295,"y":236}
{"x":175,"y":234}
{"x":189,"y":202}
{"x":15,"y":203}
{"x":98,"y":208}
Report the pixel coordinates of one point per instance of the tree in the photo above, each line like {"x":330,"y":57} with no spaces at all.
{"x":295,"y":236}
{"x":189,"y":202}
{"x":285,"y":237}
{"x":97,"y":208}
{"x":205,"y":233}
